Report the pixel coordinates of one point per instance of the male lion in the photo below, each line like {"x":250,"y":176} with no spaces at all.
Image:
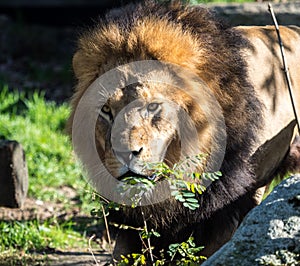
{"x":241,"y":67}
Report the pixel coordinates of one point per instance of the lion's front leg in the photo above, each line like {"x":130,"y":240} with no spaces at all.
{"x":127,"y":242}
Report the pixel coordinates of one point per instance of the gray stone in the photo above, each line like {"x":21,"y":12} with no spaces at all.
{"x":257,"y":13}
{"x":269,"y":234}
{"x":13,"y":174}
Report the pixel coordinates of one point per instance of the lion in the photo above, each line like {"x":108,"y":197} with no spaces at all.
{"x":241,"y":67}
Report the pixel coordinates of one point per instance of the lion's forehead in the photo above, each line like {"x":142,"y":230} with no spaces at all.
{"x":141,"y":92}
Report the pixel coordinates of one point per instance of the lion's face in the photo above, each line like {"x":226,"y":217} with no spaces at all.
{"x":140,"y":124}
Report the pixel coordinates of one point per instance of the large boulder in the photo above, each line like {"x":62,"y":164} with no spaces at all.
{"x":269,"y":234}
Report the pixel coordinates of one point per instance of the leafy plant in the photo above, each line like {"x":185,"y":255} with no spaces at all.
{"x":135,"y":187}
{"x":138,"y":259}
{"x":185,"y":188}
{"x":187,"y":251}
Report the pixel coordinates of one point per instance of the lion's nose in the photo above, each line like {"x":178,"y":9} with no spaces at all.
{"x":127,"y":156}
{"x":138,"y":152}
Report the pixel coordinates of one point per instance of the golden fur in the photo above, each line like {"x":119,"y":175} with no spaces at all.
{"x":191,"y":37}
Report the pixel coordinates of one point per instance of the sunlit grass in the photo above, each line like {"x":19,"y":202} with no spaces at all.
{"x":39,"y":127}
{"x":35,"y":236}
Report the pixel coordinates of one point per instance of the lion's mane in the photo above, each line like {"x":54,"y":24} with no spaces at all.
{"x":193,"y":38}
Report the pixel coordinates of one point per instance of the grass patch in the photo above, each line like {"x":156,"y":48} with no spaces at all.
{"x":31,"y":242}
{"x":35,"y":236}
{"x":39,"y":126}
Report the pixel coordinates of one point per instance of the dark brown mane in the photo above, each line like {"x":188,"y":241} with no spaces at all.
{"x":193,"y":38}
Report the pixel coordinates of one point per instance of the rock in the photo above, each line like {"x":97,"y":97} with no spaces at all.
{"x":256,"y":13}
{"x":269,"y":234}
{"x":13,"y":174}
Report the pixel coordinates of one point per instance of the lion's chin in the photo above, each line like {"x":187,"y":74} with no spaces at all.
{"x":129,"y":173}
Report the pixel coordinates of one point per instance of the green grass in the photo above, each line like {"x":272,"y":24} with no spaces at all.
{"x":35,"y":236}
{"x":28,"y":243}
{"x":39,"y":126}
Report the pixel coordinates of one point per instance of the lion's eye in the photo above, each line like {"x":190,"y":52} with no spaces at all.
{"x":105,"y":109}
{"x":106,"y":112}
{"x":152,"y":107}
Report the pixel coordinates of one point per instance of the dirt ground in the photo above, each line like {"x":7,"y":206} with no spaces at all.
{"x":38,"y":210}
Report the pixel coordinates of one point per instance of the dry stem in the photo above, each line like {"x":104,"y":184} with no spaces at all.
{"x":148,"y":239}
{"x":285,"y":67}
{"x":108,"y":234}
{"x":91,"y":250}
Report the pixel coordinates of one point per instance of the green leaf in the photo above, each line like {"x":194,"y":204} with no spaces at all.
{"x":174,"y":193}
{"x":181,"y":252}
{"x":143,"y":260}
{"x":193,"y":190}
{"x":155,"y":233}
{"x":200,"y":189}
{"x":218,"y":173}
{"x":196,"y":175}
{"x":180,"y":198}
{"x":188,"y":194}
{"x":188,"y":185}
{"x":191,"y":206}
{"x":192,"y":200}
{"x":180,"y":183}
{"x":173,"y":247}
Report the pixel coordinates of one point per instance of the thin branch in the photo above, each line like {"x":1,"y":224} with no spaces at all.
{"x":108,"y":234}
{"x":148,"y":239}
{"x":91,"y":250}
{"x":285,"y":67}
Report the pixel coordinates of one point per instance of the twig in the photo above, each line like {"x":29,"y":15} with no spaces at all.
{"x":148,"y":239}
{"x":108,"y":234}
{"x":285,"y":68}
{"x":91,"y":250}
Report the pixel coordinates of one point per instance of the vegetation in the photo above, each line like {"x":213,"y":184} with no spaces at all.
{"x":39,"y":126}
{"x":35,"y":236}
{"x":185,"y":192}
{"x":185,"y":250}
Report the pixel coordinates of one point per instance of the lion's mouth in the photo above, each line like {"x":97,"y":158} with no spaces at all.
{"x":133,"y":174}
